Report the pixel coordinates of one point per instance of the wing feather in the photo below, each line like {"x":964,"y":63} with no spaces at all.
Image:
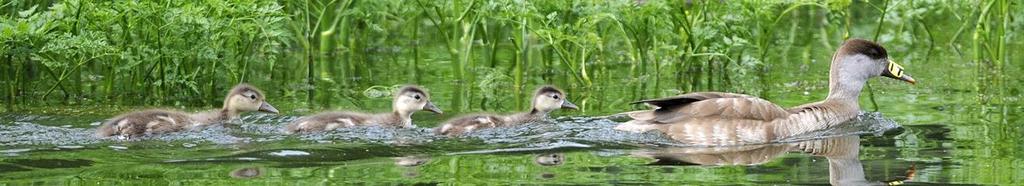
{"x":708,"y":105}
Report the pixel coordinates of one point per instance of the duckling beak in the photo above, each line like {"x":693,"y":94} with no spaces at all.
{"x":266,"y":107}
{"x":895,"y":71}
{"x":568,"y":105}
{"x":432,"y":108}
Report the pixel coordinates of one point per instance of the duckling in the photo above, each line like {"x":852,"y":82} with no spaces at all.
{"x":242,"y":98}
{"x":246,"y":173}
{"x":545,"y":100}
{"x":717,"y":119}
{"x":407,"y":100}
{"x":411,"y":161}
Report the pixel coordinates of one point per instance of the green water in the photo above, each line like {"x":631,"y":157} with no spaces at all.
{"x":961,"y":123}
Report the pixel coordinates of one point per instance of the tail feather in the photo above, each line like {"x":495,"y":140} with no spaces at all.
{"x":106,"y":130}
{"x":443,"y":129}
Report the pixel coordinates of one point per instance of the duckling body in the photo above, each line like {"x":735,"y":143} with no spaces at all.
{"x":545,"y":100}
{"x":242,"y":98}
{"x":407,"y":101}
{"x":333,"y":120}
{"x":146,"y":122}
{"x":716,"y":118}
{"x":470,"y":123}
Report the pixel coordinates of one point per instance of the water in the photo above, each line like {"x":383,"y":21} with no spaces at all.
{"x":566,"y":149}
{"x":939,"y":129}
{"x":942,"y":137}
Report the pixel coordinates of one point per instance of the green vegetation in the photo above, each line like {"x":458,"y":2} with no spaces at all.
{"x":324,"y":53}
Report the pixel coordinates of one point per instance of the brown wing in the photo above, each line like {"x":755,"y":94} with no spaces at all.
{"x":804,"y":107}
{"x":708,"y":104}
{"x":682,"y":100}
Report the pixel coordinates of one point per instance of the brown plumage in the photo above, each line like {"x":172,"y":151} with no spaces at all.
{"x":545,"y":100}
{"x":715,"y":118}
{"x":407,"y":101}
{"x":241,"y":98}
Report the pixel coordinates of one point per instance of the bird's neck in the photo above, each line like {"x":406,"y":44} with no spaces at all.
{"x":226,"y":111}
{"x":214,"y":116}
{"x":401,"y":118}
{"x":526,"y":117}
{"x":844,"y":88}
{"x":538,"y":113}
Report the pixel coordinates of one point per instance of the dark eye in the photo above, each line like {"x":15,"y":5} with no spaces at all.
{"x":252,"y":96}
{"x":416,"y":96}
{"x":555,"y":96}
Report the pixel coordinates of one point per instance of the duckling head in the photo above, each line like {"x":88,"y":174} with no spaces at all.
{"x":855,"y":62}
{"x":549,"y":98}
{"x":410,"y":99}
{"x":245,"y":98}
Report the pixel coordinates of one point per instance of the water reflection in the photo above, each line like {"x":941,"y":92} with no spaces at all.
{"x":842,"y":153}
{"x":246,"y":173}
{"x":410,"y":164}
{"x":411,"y":161}
{"x":550,"y":159}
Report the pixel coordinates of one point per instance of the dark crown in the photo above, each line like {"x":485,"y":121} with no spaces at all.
{"x":865,"y":47}
{"x":547,"y":89}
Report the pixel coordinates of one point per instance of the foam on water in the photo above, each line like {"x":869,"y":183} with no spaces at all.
{"x":865,"y":123}
{"x":25,"y":133}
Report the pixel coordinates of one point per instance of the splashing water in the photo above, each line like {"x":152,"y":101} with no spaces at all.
{"x":865,"y":123}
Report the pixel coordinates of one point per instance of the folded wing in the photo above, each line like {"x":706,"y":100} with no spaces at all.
{"x":708,"y":104}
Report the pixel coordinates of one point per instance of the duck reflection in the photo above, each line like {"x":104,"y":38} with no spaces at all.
{"x":549,"y":159}
{"x":411,"y":161}
{"x":842,"y":153}
{"x":411,"y":164}
{"x":246,"y":173}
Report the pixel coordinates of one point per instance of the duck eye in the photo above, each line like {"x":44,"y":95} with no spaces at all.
{"x":252,"y":96}
{"x":416,"y":96}
{"x":555,"y":96}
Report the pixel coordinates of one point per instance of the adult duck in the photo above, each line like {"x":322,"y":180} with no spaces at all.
{"x":716,"y":118}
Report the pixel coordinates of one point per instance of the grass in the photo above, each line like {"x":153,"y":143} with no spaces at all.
{"x":320,"y":53}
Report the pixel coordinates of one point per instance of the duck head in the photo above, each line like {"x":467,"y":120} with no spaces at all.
{"x":549,"y":98}
{"x":410,"y":99}
{"x":858,"y":60}
{"x":866,"y":59}
{"x":246,"y":98}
